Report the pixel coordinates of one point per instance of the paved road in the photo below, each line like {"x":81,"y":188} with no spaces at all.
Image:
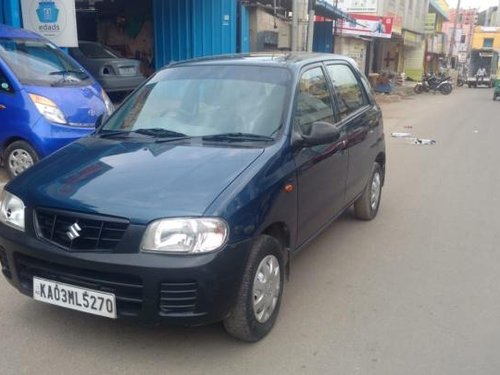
{"x":416,"y":291}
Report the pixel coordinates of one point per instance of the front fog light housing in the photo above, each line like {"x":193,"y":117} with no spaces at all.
{"x":185,"y":236}
{"x":12,"y":211}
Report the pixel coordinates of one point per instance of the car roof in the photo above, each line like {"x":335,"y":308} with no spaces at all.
{"x":292,"y":60}
{"x":13,"y":32}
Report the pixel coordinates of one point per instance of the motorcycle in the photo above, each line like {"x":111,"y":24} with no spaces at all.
{"x":431,"y":82}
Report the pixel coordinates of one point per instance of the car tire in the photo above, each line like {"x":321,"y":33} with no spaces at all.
{"x":18,"y":157}
{"x":367,"y":205}
{"x":249,"y":320}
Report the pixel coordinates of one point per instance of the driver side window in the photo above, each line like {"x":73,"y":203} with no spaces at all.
{"x":314,"y":102}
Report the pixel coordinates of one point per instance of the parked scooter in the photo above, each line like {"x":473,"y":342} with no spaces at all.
{"x":431,"y":82}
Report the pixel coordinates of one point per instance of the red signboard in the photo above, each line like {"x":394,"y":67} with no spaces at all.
{"x":373,"y":26}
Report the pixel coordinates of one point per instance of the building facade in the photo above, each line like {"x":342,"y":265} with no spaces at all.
{"x":402,"y":51}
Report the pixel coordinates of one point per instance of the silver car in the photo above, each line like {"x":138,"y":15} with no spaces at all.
{"x":113,"y":72}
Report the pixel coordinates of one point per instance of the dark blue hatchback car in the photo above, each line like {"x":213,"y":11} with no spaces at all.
{"x":188,"y":202}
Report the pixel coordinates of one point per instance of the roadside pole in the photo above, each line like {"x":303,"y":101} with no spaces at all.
{"x":453,"y":34}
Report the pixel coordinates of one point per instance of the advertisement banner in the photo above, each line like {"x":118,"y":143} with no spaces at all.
{"x":357,"y":6}
{"x":430,"y":23}
{"x":54,"y":19}
{"x":379,"y":27}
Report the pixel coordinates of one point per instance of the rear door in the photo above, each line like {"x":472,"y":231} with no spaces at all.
{"x":360,"y":118}
{"x":321,"y":170}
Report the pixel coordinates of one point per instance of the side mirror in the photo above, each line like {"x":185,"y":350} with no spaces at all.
{"x":322,"y":133}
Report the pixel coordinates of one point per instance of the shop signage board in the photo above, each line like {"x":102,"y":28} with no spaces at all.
{"x":357,"y":6}
{"x":373,"y":26}
{"x":430,"y":23}
{"x":54,"y":19}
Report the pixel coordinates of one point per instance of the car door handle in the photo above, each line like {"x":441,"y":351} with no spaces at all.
{"x":2,"y":107}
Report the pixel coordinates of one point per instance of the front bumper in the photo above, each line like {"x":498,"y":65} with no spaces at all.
{"x":187,"y":290}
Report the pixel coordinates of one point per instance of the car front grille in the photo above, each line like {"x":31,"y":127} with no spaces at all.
{"x":4,"y":263}
{"x":178,"y":297}
{"x":80,"y":232}
{"x":127,"y":289}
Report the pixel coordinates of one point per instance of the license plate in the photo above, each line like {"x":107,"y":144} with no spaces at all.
{"x":127,"y":71}
{"x":75,"y":298}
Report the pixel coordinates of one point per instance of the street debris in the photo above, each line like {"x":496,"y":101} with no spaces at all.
{"x":412,"y":139}
{"x":401,"y":135}
{"x":419,"y":141}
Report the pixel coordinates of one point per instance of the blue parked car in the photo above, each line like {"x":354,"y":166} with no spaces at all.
{"x":47,"y":99}
{"x":187,"y":204}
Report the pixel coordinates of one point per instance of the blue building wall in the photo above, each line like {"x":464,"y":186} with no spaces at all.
{"x":10,"y":12}
{"x":183,"y":29}
{"x":187,"y":29}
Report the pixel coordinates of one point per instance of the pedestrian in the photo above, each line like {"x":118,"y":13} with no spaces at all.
{"x":481,"y":73}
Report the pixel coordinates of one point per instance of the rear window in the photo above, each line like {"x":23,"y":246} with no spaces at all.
{"x":97,"y":51}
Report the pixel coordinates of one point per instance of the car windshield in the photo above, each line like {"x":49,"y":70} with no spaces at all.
{"x":39,"y":63}
{"x":235,"y":101}
{"x":97,"y":51}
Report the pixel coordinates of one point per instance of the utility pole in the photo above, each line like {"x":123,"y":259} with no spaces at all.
{"x":453,"y":34}
{"x":335,"y":23}
{"x":295,"y":25}
{"x":498,"y":14}
{"x":310,"y":26}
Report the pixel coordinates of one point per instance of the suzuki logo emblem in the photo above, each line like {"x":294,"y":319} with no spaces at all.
{"x":73,"y":231}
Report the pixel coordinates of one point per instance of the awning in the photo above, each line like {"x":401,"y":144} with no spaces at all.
{"x":327,"y":10}
{"x":321,"y":8}
{"x":443,"y":13}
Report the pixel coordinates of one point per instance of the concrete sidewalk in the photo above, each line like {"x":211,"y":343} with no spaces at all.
{"x":399,"y":93}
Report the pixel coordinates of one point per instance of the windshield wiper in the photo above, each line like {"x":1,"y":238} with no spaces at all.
{"x":112,"y":133}
{"x":159,"y":133}
{"x":64,"y":72}
{"x":238,"y":137}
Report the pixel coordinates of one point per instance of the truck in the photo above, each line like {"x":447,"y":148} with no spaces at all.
{"x":482,"y":58}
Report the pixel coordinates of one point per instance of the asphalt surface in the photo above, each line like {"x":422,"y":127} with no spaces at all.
{"x":416,"y":291}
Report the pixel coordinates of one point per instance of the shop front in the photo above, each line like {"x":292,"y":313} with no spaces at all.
{"x":414,"y":54}
{"x":155,"y":32}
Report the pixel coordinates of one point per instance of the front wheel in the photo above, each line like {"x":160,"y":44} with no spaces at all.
{"x":258,"y":302}
{"x":18,"y":157}
{"x":366,"y":207}
{"x":419,"y":88}
{"x":446,"y":89}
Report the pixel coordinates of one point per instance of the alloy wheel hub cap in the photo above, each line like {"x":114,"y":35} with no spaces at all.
{"x":266,"y":288}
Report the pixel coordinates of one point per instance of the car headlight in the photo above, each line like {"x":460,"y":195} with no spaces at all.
{"x":185,"y":236}
{"x":107,"y":102}
{"x":12,"y":210}
{"x":48,"y":109}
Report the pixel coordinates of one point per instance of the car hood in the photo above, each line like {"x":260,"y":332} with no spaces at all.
{"x":134,"y":180}
{"x":81,"y":105}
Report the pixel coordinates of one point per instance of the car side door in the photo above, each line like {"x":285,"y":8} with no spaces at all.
{"x":12,"y":111}
{"x":321,"y":169}
{"x":360,"y":117}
